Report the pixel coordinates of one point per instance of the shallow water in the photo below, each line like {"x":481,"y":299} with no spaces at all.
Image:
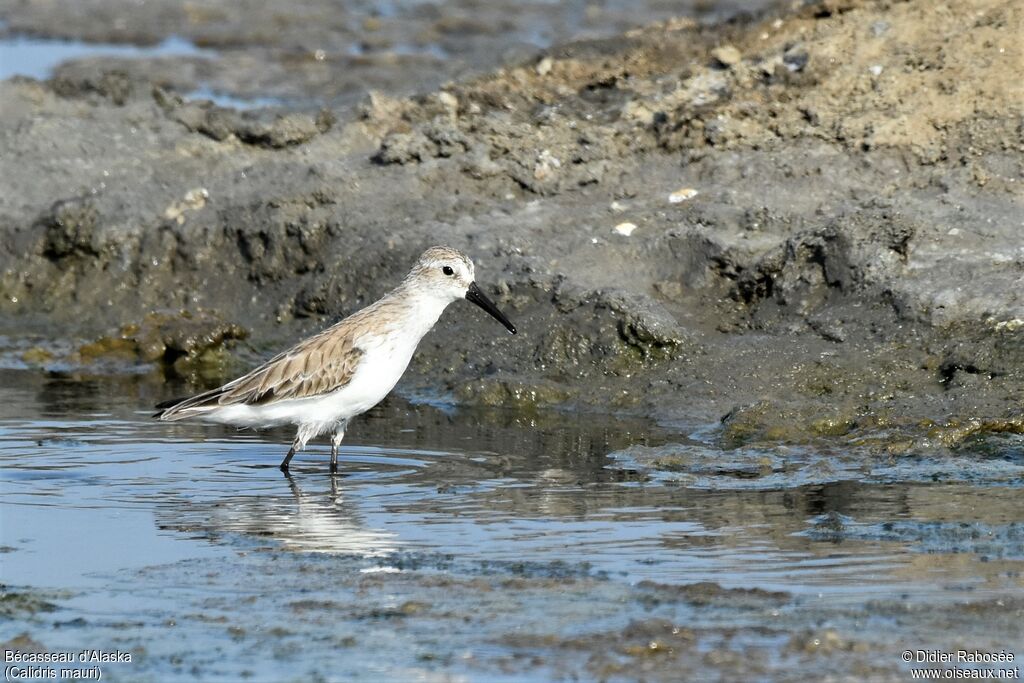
{"x":484,"y":545}
{"x":255,"y":59}
{"x":38,"y":57}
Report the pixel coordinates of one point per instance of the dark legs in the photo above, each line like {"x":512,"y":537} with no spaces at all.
{"x":304,"y":435}
{"x":287,"y":459}
{"x":297,"y":445}
{"x":339,"y":434}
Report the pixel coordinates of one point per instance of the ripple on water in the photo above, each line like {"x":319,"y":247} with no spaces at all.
{"x":525,"y":518}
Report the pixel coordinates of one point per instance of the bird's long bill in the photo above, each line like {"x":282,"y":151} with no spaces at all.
{"x":475,"y":295}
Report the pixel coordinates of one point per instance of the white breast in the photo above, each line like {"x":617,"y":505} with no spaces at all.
{"x":382,"y":365}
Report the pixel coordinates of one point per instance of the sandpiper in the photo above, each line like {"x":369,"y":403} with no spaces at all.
{"x":324,"y":381}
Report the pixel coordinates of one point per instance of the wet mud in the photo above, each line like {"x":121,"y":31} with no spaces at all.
{"x":824,"y":208}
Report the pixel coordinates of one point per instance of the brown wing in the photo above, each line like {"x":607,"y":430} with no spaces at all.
{"x":318,"y":365}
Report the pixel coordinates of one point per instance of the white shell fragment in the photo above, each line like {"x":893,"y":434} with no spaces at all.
{"x":449,"y":102}
{"x":1010,"y":325}
{"x":546,"y":165}
{"x":681,"y":195}
{"x":193,"y":201}
{"x":625,"y":229}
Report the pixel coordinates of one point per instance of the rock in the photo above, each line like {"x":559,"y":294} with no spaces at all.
{"x":480,"y":165}
{"x":69,"y":229}
{"x":796,"y":58}
{"x":192,"y":201}
{"x":644,"y":322}
{"x":284,"y":131}
{"x":404,"y":148}
{"x":727,"y":55}
{"x":449,"y":102}
{"x":185,"y":343}
{"x":669,"y":289}
{"x":546,"y":165}
{"x":37,"y":356}
{"x":513,"y":394}
{"x":378,"y":107}
{"x":681,"y":195}
{"x":221,"y":123}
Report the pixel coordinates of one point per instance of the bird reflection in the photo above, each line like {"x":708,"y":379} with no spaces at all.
{"x":325,"y":521}
{"x":311,"y":519}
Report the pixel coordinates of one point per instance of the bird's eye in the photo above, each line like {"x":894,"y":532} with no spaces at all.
{"x":447,"y":270}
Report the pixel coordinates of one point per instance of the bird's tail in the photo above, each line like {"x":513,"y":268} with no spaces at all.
{"x":181,"y":408}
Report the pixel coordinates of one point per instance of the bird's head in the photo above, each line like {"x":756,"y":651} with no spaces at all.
{"x":449,"y":274}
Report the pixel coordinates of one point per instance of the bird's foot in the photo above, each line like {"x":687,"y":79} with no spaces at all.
{"x":334,"y":468}
{"x":284,"y":468}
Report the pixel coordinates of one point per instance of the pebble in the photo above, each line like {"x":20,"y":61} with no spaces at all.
{"x":546,"y":165}
{"x":681,"y":195}
{"x":448,"y":101}
{"x":1010,"y":325}
{"x":727,"y":55}
{"x":544,"y":66}
{"x":625,"y":229}
{"x":193,"y":200}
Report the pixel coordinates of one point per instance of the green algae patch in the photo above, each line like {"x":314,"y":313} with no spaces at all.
{"x":37,"y":355}
{"x":765,"y":421}
{"x":19,"y":604}
{"x":955,"y":433}
{"x":834,"y":425}
{"x":192,"y":345}
{"x":207,"y":366}
{"x":109,"y":349}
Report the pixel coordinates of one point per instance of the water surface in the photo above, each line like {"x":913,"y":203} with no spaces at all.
{"x":490,"y":545}
{"x":37,"y":57}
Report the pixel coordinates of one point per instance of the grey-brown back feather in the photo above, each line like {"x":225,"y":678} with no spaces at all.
{"x":315,"y":366}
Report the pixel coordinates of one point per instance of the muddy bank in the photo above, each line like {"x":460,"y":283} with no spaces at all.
{"x":848,"y":269}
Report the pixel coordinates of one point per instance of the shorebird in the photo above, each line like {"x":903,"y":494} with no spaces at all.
{"x":324,"y":381}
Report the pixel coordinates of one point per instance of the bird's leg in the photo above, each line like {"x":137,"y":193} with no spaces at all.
{"x":339,"y":434}
{"x":296,"y":446}
{"x":287,"y":459}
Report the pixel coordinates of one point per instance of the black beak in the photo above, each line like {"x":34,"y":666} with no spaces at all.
{"x":480,"y":299}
